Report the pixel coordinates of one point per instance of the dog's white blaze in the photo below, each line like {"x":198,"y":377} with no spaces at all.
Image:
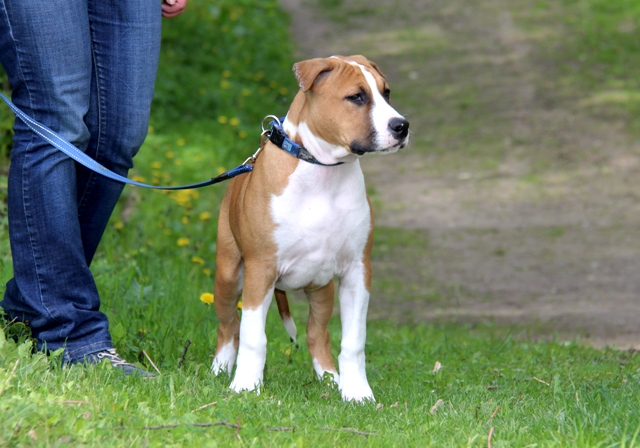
{"x":252,"y":352}
{"x":354,"y":301}
{"x":322,"y":222}
{"x":381,"y":113}
{"x":320,"y":372}
{"x":224,"y":360}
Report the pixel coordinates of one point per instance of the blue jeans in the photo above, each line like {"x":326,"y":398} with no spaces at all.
{"x":86,"y":69}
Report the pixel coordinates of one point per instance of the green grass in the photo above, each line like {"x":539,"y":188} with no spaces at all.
{"x":532,"y":394}
{"x":224,"y":66}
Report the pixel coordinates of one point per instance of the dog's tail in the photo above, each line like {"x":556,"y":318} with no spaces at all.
{"x":285,"y":314}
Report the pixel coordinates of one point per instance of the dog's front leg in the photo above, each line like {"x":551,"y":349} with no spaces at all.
{"x":354,"y":301}
{"x":252,"y":351}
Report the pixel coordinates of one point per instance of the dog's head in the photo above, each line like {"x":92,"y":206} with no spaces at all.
{"x":343,"y":106}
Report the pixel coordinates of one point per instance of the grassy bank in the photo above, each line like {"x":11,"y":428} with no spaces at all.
{"x":224,"y":66}
{"x":523,"y":394}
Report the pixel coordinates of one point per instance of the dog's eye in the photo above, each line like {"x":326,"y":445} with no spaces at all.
{"x":358,"y":99}
{"x":386,"y":94}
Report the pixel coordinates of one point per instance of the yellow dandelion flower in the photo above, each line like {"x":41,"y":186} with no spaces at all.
{"x":156,"y":165}
{"x":183,"y":241}
{"x":221,"y":170}
{"x":167,"y":232}
{"x":273,"y":84}
{"x":138,"y":178}
{"x":246,"y":92}
{"x":198,"y":158}
{"x":224,"y":84}
{"x":198,"y":260}
{"x":240,"y":305}
{"x":181,"y":142}
{"x":205,"y":216}
{"x":207,"y":272}
{"x":259,"y":75}
{"x":119,"y":225}
{"x":287,"y":352}
{"x":226,"y":73}
{"x":234,"y":121}
{"x":150,"y":130}
{"x":185,"y":220}
{"x":207,"y":298}
{"x":283,"y":91}
{"x":222,"y":119}
{"x":169,"y":155}
{"x":242,"y":134}
{"x":178,"y":162}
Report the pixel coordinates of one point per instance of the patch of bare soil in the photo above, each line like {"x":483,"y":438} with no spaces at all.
{"x":529,"y":200}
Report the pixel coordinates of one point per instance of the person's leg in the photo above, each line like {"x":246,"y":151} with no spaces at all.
{"x":45,"y":49}
{"x":126,"y":46}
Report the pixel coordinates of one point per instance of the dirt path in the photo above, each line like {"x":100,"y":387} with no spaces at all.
{"x":524,"y":201}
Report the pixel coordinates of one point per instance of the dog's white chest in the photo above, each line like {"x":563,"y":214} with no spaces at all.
{"x":322,"y":223}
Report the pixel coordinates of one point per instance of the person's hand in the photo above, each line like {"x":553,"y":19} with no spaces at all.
{"x":172,"y":8}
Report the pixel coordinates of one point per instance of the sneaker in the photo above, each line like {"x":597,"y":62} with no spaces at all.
{"x":117,"y":362}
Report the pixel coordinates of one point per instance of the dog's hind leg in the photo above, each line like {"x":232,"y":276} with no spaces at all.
{"x":227,"y":290}
{"x":320,"y":311}
{"x":285,"y":315}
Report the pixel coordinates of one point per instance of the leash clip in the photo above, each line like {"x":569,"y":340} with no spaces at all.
{"x":264,"y":137}
{"x":251,"y":160}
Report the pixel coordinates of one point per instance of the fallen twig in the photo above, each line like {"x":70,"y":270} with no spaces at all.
{"x":489,"y":438}
{"x":204,"y":406}
{"x":151,"y":361}
{"x":495,"y":413}
{"x":184,"y":353}
{"x":284,"y":428}
{"x":519,"y":397}
{"x":349,"y":430}
{"x":12,"y":321}
{"x":176,"y":425}
{"x":15,"y":366}
{"x":540,"y":381}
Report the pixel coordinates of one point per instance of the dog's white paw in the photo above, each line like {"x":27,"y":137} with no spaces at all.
{"x":246,"y":382}
{"x":224,"y":360}
{"x":355,"y":389}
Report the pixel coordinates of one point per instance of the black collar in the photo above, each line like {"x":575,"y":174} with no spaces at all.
{"x":279,"y":138}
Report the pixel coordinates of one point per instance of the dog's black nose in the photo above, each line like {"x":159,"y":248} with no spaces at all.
{"x":399,"y":128}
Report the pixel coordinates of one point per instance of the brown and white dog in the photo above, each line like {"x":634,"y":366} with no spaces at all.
{"x":291,"y":224}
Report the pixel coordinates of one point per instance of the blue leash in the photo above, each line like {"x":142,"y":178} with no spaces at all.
{"x":83,"y":159}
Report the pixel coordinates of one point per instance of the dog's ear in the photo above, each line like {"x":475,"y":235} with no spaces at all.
{"x":308,"y":72}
